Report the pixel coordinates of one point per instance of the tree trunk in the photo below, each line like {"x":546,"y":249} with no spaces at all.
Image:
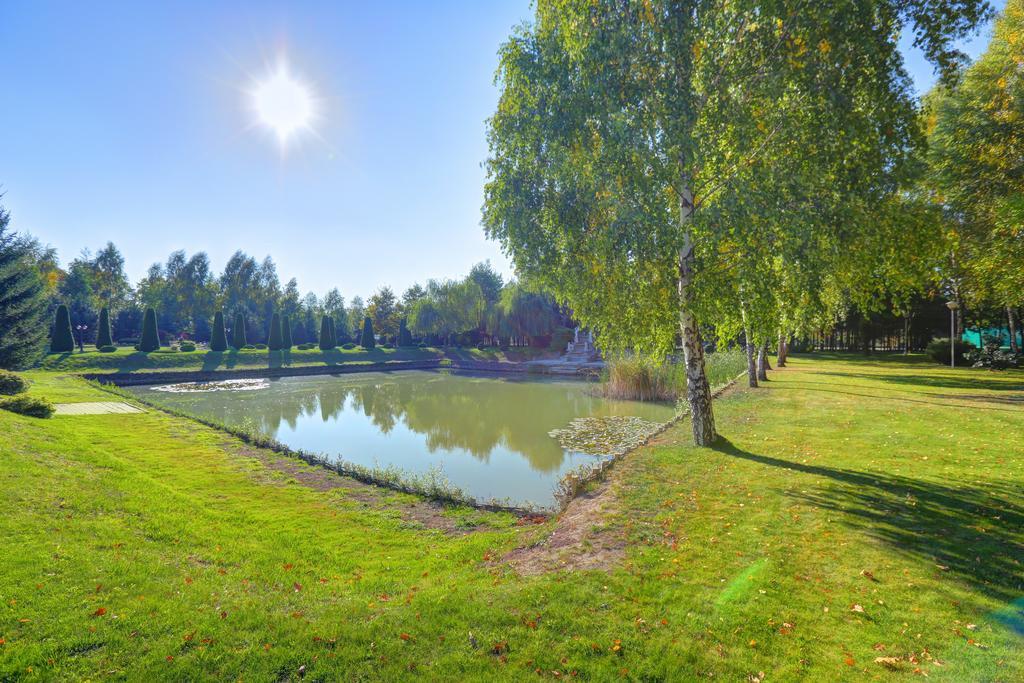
{"x":1012,"y":318}
{"x":906,"y":334}
{"x":698,"y":391}
{"x":783,"y":352}
{"x":748,"y":346}
{"x":762,"y":363}
{"x":764,"y":352}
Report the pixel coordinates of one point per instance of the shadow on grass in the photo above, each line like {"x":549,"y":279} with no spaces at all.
{"x":978,"y":379}
{"x":974,"y":533}
{"x":942,"y":400}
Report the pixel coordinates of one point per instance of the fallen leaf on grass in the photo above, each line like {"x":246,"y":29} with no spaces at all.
{"x":100,"y":612}
{"x":856,"y":608}
{"x":893,"y":663}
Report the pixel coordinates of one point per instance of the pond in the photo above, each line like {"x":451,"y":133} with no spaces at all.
{"x":487,"y":435}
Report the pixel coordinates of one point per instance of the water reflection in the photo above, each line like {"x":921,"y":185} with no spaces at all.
{"x":413,"y":419}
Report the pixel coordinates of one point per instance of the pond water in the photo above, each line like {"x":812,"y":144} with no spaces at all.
{"x":489,"y":435}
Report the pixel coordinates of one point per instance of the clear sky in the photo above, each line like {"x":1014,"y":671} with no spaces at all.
{"x":133,"y":122}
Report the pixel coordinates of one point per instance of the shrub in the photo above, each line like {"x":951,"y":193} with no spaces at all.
{"x":63,"y":338}
{"x":422,"y":345}
{"x":187,"y":346}
{"x":261,"y":347}
{"x":218,"y":340}
{"x":991,"y":355}
{"x":366,"y":340}
{"x":28,"y":405}
{"x":150,"y":340}
{"x":286,"y":332}
{"x":305,"y":347}
{"x":388,"y":345}
{"x":11,"y":384}
{"x":938,"y":350}
{"x":248,"y":347}
{"x":238,"y":332}
{"x":348,"y":346}
{"x":274,"y":338}
{"x":404,"y":337}
{"x":326,"y":333}
{"x":103,"y":336}
{"x":109,"y":348}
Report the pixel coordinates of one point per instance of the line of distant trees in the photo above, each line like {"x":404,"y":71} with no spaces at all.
{"x":186,"y":293}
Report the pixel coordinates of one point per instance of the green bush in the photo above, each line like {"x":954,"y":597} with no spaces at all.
{"x":306,"y":347}
{"x":11,"y":384}
{"x":366,"y":340}
{"x":938,"y":350}
{"x":275,"y":342}
{"x":218,"y":340}
{"x":150,"y":340}
{"x":422,"y":345}
{"x":63,"y":338}
{"x":326,"y":333}
{"x":187,"y":346}
{"x":348,"y":346}
{"x":238,"y":332}
{"x":248,"y":347}
{"x":261,"y":347}
{"x":103,"y":336}
{"x":109,"y":348}
{"x":286,"y":332}
{"x":560,"y":339}
{"x":404,"y":337}
{"x":28,"y":405}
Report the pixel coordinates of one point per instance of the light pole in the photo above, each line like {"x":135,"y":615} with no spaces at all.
{"x":952,"y":306}
{"x":81,"y":332}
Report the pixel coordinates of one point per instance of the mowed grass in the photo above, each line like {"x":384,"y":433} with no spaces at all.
{"x":127,"y":359}
{"x":857,"y":510}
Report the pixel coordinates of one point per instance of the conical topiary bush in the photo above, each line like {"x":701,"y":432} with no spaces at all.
{"x":274,"y":341}
{"x":103,"y":336}
{"x":150,"y":340}
{"x":238,"y":333}
{"x":286,"y":333}
{"x":218,"y":340}
{"x":326,"y":333}
{"x":404,"y":337}
{"x":366,"y":340}
{"x":63,"y":338}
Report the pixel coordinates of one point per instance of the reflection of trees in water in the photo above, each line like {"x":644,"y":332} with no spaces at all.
{"x":451,"y":411}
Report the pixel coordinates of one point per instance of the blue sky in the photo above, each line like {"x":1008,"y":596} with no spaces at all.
{"x":130,"y":122}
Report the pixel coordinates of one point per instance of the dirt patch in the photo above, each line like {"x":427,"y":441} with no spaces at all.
{"x":428,"y":513}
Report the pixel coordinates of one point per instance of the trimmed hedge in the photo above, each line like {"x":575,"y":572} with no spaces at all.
{"x":109,"y":348}
{"x":219,"y":340}
{"x":238,"y":333}
{"x":286,"y":333}
{"x":187,"y":346}
{"x":248,"y":347}
{"x":274,"y":340}
{"x":150,"y":340}
{"x":103,"y":336}
{"x":348,"y":346}
{"x":366,"y":340}
{"x":326,"y":333}
{"x":28,"y":405}
{"x":63,"y":337}
{"x":938,"y":351}
{"x":260,"y":347}
{"x":404,"y":337}
{"x":11,"y":384}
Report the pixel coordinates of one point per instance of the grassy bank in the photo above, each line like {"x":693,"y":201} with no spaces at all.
{"x":861,"y":519}
{"x":126,"y":359}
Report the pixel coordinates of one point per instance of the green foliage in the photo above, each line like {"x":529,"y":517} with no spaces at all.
{"x":187,"y":346}
{"x":404,"y":336}
{"x":326,"y":333}
{"x":238,"y":332}
{"x":348,"y":346}
{"x":103,"y":336}
{"x":150,"y":339}
{"x":11,"y":384}
{"x":286,"y":332}
{"x":274,"y":338}
{"x":260,"y":347}
{"x":366,"y":340}
{"x":938,"y":350}
{"x":108,"y":349}
{"x":63,"y":340}
{"x":30,"y":406}
{"x":218,"y":340}
{"x":249,"y":347}
{"x":560,"y":338}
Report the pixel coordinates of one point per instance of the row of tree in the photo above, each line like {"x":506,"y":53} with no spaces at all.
{"x":677,"y":169}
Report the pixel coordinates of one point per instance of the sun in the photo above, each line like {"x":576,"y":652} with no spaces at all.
{"x":284,"y":104}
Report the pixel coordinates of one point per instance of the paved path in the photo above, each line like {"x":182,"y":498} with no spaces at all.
{"x":100,"y":408}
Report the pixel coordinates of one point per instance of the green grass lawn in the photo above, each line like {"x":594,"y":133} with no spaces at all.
{"x":856,"y":510}
{"x":127,"y":359}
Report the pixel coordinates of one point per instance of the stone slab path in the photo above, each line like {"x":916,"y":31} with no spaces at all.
{"x":99,"y":408}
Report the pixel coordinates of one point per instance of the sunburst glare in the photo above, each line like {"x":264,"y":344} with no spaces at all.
{"x":284,"y":104}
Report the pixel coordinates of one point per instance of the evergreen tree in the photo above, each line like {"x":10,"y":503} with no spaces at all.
{"x":326,"y":333}
{"x":286,"y":332}
{"x":22,"y":303}
{"x":404,"y":338}
{"x":63,"y":338}
{"x":219,"y":340}
{"x":238,"y":333}
{"x":274,"y":339}
{"x":103,"y":336}
{"x":367,"y":340}
{"x":150,"y":340}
